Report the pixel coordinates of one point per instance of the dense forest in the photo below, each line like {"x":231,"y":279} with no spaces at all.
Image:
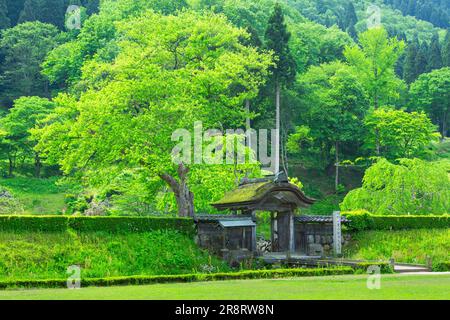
{"x":364,"y":112}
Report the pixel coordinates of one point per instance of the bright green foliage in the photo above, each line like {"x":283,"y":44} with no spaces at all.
{"x":101,"y":254}
{"x":313,"y":44}
{"x":195,"y":69}
{"x":24,"y":48}
{"x":400,"y":134}
{"x":411,"y":187}
{"x":96,"y":41}
{"x":407,"y":246}
{"x":431,"y":93}
{"x":24,"y":116}
{"x":375,"y":62}
{"x":337,"y":103}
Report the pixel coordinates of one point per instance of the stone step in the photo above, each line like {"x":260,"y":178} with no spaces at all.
{"x":405,"y":269}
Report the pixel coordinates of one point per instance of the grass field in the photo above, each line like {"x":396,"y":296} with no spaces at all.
{"x":409,"y":246}
{"x":329,"y":287}
{"x":34,"y":255}
{"x":37,"y":196}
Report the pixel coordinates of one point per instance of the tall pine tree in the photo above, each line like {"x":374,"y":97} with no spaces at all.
{"x":422,"y":59}
{"x":409,"y":68}
{"x":435,"y":54}
{"x":446,"y":50}
{"x":284,"y":72}
{"x":47,"y":11}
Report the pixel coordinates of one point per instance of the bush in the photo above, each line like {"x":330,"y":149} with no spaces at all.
{"x":88,"y":224}
{"x":443,"y":266}
{"x":412,"y":186}
{"x":385,"y":267}
{"x":362,"y":220}
{"x":139,"y":280}
{"x":8,"y":203}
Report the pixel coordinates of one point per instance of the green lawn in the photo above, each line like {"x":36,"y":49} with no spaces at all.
{"x":330,"y":287}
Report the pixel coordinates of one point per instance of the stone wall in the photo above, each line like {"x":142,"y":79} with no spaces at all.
{"x":316,"y":238}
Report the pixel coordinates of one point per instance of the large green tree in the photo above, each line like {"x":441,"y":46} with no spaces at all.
{"x":409,"y":67}
{"x":26,"y":113}
{"x":47,"y":11}
{"x":284,"y":71}
{"x":435,"y":55}
{"x":431,"y":93}
{"x":446,"y":50}
{"x":336,"y":104}
{"x":400,"y":134}
{"x":375,"y":61}
{"x":24,"y":48}
{"x":412,"y":186}
{"x":171,"y":72}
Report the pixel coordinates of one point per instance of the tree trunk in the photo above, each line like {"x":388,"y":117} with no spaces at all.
{"x":336,"y":182}
{"x":10,"y":166}
{"x":284,"y":155}
{"x":37,"y":165}
{"x":377,"y":142}
{"x":277,"y":127}
{"x":183,"y":196}
{"x":248,"y":123}
{"x":444,"y":126}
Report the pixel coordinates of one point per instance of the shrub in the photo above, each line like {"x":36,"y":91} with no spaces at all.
{"x":385,"y":267}
{"x":88,"y":224}
{"x":139,"y":280}
{"x":362,"y":220}
{"x":443,"y":266}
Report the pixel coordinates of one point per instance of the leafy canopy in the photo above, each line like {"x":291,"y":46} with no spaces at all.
{"x":375,"y":61}
{"x":401,"y":134}
{"x":412,"y":186}
{"x":170,"y":72}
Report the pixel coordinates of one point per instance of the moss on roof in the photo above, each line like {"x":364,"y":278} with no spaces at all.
{"x":244,"y":193}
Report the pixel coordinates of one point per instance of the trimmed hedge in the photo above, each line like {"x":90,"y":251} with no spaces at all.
{"x":362,"y":220}
{"x":385,"y":267}
{"x":140,"y":280}
{"x":19,"y":223}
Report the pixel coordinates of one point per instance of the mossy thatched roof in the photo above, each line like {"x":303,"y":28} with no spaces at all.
{"x":244,"y":193}
{"x":252,"y":196}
